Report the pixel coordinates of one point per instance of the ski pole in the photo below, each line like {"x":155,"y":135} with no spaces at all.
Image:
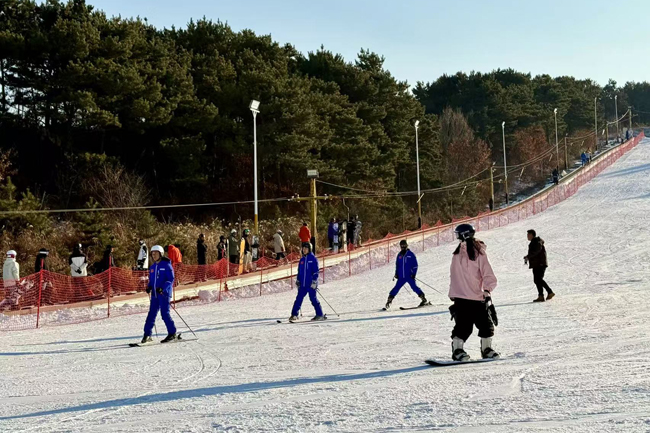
{"x":188,"y":326}
{"x":432,"y":288}
{"x":321,"y":295}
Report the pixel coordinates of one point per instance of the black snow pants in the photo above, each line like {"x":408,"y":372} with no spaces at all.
{"x":538,"y":278}
{"x":469,"y":313}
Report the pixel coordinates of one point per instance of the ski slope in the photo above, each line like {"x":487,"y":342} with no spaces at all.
{"x":579,"y":363}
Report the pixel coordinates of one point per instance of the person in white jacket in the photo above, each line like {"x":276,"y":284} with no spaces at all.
{"x":278,"y":245}
{"x":11,"y":279}
{"x":78,"y":263}
{"x":143,"y":257}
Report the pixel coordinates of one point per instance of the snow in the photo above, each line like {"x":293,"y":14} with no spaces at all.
{"x":579,"y":363}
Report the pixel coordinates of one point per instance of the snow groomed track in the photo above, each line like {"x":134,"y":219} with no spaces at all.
{"x":577,"y":363}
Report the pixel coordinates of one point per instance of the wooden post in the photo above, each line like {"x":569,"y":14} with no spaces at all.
{"x":40,"y":293}
{"x":108,"y":298}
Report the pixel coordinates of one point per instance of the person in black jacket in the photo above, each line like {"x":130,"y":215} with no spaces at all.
{"x":106,"y":262}
{"x":201,"y":250}
{"x":41,"y":260}
{"x":222,"y":248}
{"x":537,"y":261}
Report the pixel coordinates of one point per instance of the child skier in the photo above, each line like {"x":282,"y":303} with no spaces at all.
{"x":307,"y":284}
{"x":472,"y":281}
{"x":406,"y":268}
{"x":161,"y":282}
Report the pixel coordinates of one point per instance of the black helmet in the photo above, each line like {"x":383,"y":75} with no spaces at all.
{"x":306,"y":245}
{"x":403,"y":243}
{"x":464,"y":232}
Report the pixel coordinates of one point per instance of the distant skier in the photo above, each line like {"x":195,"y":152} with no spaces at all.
{"x":307,"y":284}
{"x":78,"y":263}
{"x":161,"y":282}
{"x":143,"y":257}
{"x":537,"y":261}
{"x":406,"y":268}
{"x":472,"y":282}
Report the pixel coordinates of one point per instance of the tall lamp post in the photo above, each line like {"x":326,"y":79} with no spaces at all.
{"x":618,"y":136}
{"x":255,"y":109}
{"x":596,"y":122}
{"x":557,"y":146}
{"x":505,"y":163}
{"x":417,"y":159}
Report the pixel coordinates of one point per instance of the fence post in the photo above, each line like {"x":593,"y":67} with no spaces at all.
{"x":370,"y":256}
{"x":40,"y":294}
{"x":261,"y":273}
{"x":221,"y":279}
{"x":323,"y":269}
{"x":108,"y":298}
{"x":422,"y":239}
{"x":349,"y":262}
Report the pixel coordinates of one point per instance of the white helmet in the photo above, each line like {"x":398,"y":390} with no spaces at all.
{"x":233,"y":231}
{"x":159,"y":249}
{"x":12,"y":254}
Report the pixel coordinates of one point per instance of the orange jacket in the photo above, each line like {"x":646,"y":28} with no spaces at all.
{"x":174,"y":255}
{"x":305,"y":234}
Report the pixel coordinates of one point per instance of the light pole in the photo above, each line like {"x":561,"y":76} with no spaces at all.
{"x":417,"y":159}
{"x":618,"y":136}
{"x":596,"y":122}
{"x":505,"y":163}
{"x":254,"y":107}
{"x":557,"y":146}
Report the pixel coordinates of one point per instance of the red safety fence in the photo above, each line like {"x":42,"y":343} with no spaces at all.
{"x":48,"y":298}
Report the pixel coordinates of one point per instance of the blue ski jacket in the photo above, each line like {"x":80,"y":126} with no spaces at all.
{"x":161,"y":275}
{"x":307,"y":270}
{"x":406,"y":265}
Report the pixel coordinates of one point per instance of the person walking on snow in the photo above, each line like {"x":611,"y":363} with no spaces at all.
{"x":11,"y":281}
{"x":406,"y":268}
{"x":472,"y":282}
{"x":307,"y":284}
{"x":78,"y":263}
{"x":143,"y":256}
{"x":536,"y":260}
{"x":304,"y":234}
{"x":161,"y":282}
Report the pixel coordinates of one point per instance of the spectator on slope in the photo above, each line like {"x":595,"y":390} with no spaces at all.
{"x":351,"y":226}
{"x":78,"y":262}
{"x":201,"y":250}
{"x":471,"y":284}
{"x":222,"y":248}
{"x":556,"y":176}
{"x":307,"y":284}
{"x":357,"y":232}
{"x":343,"y":235}
{"x":143,"y":257}
{"x":41,"y":260}
{"x":160,"y":286}
{"x":11,"y":280}
{"x":330,"y":233}
{"x":537,"y":261}
{"x":583,"y":158}
{"x":174,"y":254}
{"x":278,"y":245}
{"x":406,"y":268}
{"x":248,"y":255}
{"x":335,"y":241}
{"x":304,"y":234}
{"x":233,"y":247}
{"x":107,"y":261}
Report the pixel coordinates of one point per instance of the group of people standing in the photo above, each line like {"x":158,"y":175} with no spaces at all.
{"x":342,"y":234}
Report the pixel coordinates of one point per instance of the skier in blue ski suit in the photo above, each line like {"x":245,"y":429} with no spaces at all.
{"x":161,"y":282}
{"x":307,"y":284}
{"x":406,"y":268}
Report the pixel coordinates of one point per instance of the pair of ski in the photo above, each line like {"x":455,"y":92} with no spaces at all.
{"x":428,"y":304}
{"x":178,"y":339}
{"x":305,"y":322}
{"x":449,"y":363}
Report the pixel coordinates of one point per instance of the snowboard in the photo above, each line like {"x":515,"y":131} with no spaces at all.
{"x":242,"y":247}
{"x":449,"y":363}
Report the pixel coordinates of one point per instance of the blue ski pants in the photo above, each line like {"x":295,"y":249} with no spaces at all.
{"x":302,"y":292}
{"x":401,"y":282}
{"x":159,"y":302}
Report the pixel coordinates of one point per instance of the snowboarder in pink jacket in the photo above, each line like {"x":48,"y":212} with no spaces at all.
{"x":472,"y":282}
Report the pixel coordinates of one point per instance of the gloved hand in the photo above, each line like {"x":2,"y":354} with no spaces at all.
{"x":453,"y":310}
{"x":314,"y":284}
{"x":148,"y":289}
{"x":159,"y":290}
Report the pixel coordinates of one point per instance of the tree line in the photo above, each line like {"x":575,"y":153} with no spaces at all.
{"x":100,"y":111}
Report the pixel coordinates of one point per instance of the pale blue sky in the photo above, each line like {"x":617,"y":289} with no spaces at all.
{"x":421,"y":39}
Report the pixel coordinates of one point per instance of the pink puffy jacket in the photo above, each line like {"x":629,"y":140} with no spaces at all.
{"x":470,"y":278}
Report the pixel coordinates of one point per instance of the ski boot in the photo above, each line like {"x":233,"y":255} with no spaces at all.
{"x":170,"y":337}
{"x":457,"y":352}
{"x":540,"y":298}
{"x":424,"y":301}
{"x":550,"y":296}
{"x":486,"y":349}
{"x":293,"y":319}
{"x":146,"y":339}
{"x":318,"y":318}
{"x":390,"y":301}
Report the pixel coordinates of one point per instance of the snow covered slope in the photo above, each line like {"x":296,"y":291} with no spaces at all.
{"x":579,"y":363}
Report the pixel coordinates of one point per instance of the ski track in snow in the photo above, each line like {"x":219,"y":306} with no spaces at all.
{"x":579,"y":363}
